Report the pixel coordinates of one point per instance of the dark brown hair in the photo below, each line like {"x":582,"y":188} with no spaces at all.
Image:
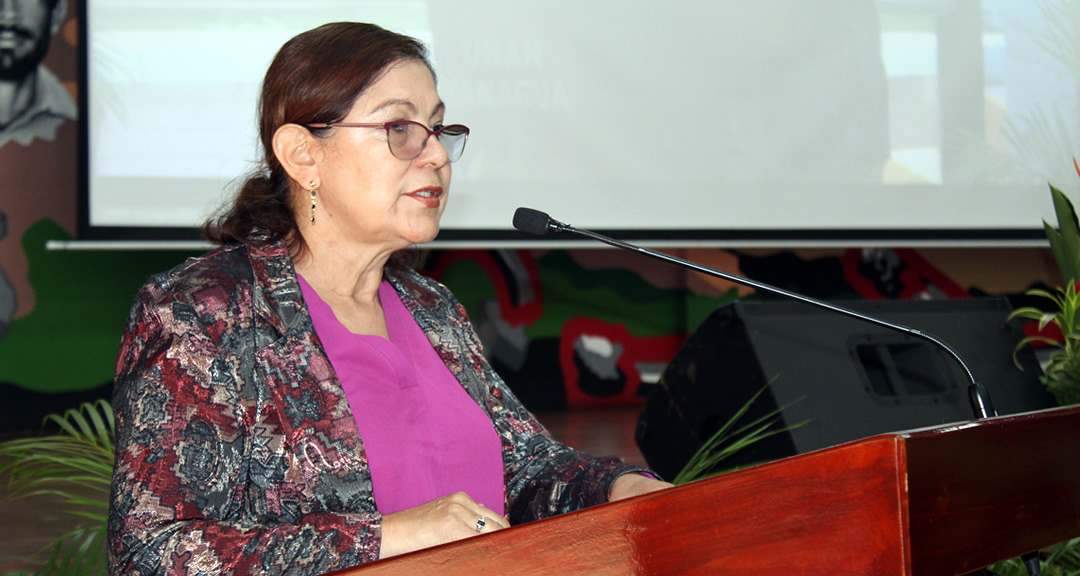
{"x":315,"y":77}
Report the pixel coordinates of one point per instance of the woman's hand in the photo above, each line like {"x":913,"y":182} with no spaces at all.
{"x":439,"y":521}
{"x":630,"y":485}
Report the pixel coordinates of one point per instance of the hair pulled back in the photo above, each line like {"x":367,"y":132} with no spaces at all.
{"x":316,"y":76}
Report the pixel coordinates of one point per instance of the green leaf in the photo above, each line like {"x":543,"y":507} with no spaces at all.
{"x":733,"y":436}
{"x":1026,"y":313}
{"x":1057,"y":246}
{"x":1065,"y":241}
{"x":1043,"y":293}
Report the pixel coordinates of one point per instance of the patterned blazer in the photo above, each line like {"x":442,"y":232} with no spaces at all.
{"x":237,"y":452}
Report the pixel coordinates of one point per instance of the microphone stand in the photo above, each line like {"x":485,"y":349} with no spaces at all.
{"x":981,"y":406}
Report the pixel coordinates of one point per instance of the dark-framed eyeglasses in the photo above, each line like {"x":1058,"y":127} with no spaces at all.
{"x":407,"y":139}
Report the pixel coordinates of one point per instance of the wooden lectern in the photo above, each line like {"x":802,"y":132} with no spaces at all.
{"x":945,"y":500}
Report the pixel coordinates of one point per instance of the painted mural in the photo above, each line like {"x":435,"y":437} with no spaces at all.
{"x":37,"y":135}
{"x":38,"y":154}
{"x":566,"y":328}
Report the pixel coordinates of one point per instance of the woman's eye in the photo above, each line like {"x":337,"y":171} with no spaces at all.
{"x":400,"y":127}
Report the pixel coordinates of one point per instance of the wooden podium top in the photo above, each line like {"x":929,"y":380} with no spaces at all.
{"x":945,"y":500}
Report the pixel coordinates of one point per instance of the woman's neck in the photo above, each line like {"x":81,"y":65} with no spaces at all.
{"x":348,"y":280}
{"x":346,"y":270}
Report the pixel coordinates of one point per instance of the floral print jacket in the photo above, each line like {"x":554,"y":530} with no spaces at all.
{"x":237,"y":452}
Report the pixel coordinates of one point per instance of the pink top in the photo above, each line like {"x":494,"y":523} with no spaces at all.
{"x":424,"y":436}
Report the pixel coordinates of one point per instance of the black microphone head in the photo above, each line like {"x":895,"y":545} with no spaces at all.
{"x":531,"y":221}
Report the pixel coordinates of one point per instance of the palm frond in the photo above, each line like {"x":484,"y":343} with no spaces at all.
{"x":732,"y":437}
{"x":79,"y":552}
{"x":73,"y":467}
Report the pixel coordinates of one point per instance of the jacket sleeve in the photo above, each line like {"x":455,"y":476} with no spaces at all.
{"x":543,"y":477}
{"x":203,"y":483}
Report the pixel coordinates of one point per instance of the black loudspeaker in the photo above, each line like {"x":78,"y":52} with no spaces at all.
{"x":848,"y":379}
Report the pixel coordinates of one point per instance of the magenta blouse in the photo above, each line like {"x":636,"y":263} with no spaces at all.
{"x":424,"y":436}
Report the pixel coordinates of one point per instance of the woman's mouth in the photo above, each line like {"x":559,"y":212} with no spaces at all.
{"x":429,"y":196}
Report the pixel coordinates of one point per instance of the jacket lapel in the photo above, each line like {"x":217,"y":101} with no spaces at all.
{"x":445,"y":326}
{"x":314,"y":414}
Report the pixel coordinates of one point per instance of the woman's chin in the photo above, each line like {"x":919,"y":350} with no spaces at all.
{"x":423,"y":236}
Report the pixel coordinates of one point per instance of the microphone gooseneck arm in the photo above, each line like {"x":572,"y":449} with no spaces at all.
{"x":535,"y":222}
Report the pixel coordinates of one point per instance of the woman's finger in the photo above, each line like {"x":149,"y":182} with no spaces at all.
{"x":490,"y":522}
{"x":485,"y":520}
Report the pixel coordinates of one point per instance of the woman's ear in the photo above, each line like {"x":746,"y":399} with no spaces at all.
{"x":294,"y":148}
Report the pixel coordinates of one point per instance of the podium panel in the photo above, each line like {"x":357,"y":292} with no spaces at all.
{"x":931,"y":502}
{"x":847,"y":379}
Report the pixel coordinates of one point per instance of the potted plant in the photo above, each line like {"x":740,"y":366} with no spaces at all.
{"x":1061,"y":375}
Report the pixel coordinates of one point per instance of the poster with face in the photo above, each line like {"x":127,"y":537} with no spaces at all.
{"x":33,"y":101}
{"x":38,"y":147}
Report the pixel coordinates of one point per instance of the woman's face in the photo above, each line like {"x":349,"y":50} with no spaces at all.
{"x":366,"y":195}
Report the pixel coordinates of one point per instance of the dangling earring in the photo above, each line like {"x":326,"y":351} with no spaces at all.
{"x":314,"y":186}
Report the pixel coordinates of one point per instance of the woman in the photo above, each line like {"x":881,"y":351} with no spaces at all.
{"x":298,"y":400}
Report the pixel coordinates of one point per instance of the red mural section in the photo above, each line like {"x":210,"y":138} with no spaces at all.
{"x":900,"y":274}
{"x":603,"y":364}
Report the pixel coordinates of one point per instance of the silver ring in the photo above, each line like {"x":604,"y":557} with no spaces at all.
{"x":480,"y":524}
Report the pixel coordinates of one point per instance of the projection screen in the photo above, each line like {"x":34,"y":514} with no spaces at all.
{"x":683,"y":121}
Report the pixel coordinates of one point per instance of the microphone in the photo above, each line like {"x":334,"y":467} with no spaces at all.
{"x":538,"y":223}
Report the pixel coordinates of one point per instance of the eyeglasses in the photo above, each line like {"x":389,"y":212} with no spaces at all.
{"x":407,"y":139}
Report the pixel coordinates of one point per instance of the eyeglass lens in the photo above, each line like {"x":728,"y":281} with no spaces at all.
{"x":407,"y":140}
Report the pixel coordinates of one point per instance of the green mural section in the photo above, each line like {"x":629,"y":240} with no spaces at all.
{"x":617,"y":296}
{"x":69,"y":340}
{"x":614,"y":295}
{"x":470,"y":284}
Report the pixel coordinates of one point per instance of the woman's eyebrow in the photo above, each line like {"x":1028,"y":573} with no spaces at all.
{"x":395,"y":102}
{"x":440,"y":107}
